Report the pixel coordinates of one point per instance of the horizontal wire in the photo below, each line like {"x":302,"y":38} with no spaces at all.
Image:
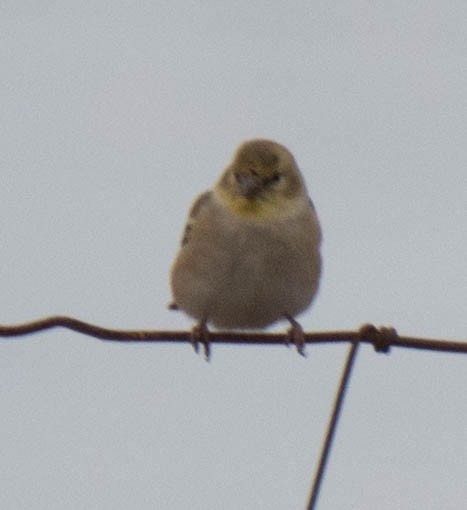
{"x":382,"y":338}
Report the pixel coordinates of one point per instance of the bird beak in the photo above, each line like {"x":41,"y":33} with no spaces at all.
{"x":250,"y":184}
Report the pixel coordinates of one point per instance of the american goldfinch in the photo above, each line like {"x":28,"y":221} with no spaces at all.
{"x":250,"y":252}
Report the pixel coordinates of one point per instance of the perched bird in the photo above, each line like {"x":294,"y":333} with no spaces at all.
{"x":250,"y":253}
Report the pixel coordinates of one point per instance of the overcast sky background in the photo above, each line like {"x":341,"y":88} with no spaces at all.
{"x":114,"y":116}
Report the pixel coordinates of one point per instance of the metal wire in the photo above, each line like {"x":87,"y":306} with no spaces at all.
{"x":331,"y":429}
{"x":382,"y":339}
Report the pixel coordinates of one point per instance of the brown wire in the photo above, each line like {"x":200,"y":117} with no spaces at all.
{"x":331,"y":429}
{"x":382,"y":339}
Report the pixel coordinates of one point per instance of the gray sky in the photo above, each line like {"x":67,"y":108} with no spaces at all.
{"x":114,"y":116}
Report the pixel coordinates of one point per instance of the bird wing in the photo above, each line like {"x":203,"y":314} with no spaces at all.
{"x":198,"y":205}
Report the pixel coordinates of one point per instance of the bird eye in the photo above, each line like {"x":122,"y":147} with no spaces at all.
{"x":276,"y":177}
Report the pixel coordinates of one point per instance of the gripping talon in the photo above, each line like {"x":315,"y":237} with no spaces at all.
{"x":296,"y":336}
{"x":200,"y":334}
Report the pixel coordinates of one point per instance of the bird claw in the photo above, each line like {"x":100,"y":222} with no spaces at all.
{"x":200,"y":335}
{"x":296,"y":336}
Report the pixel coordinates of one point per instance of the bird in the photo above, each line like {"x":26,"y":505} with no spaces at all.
{"x":250,"y":250}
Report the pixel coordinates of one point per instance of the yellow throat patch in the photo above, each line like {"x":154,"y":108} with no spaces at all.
{"x":262,"y":208}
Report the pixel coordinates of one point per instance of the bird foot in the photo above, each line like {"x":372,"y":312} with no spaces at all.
{"x":200,"y":335}
{"x":296,"y":336}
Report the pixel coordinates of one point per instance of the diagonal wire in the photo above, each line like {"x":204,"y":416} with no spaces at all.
{"x":330,"y":432}
{"x":382,"y":339}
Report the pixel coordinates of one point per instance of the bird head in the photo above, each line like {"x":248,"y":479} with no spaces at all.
{"x":262,"y":178}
